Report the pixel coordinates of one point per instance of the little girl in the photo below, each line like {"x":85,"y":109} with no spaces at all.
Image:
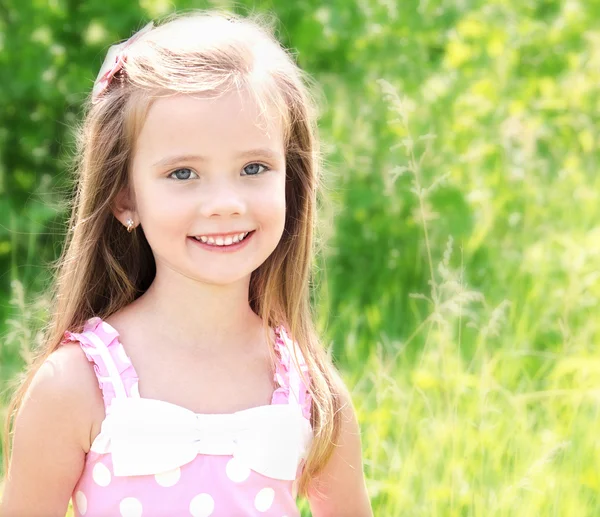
{"x":181,"y":372}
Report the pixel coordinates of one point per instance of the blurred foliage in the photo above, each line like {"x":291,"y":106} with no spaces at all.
{"x":459,"y":286}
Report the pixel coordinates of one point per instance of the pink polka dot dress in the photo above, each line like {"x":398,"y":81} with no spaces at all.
{"x":157,"y":459}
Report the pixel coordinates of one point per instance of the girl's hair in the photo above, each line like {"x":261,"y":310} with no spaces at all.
{"x":103,"y":268}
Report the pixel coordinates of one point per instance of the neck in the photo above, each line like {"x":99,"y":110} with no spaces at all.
{"x":199,"y":317}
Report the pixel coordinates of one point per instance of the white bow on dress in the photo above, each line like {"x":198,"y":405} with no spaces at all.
{"x":149,"y":436}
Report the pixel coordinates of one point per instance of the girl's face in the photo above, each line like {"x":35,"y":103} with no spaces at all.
{"x":206,"y":167}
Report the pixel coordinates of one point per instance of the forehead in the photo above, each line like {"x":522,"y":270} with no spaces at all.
{"x":186,"y":123}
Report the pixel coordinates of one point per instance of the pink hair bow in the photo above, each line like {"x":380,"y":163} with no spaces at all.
{"x":113,"y":63}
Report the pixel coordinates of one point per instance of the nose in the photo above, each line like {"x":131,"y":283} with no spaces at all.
{"x":222,"y":198}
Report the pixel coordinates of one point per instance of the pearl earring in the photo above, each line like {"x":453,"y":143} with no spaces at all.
{"x":129,"y":225}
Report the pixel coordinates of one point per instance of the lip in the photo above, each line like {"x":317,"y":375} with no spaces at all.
{"x":224,"y":249}
{"x":229,"y":234}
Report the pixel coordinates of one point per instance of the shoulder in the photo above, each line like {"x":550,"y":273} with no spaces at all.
{"x":340,"y":489}
{"x":51,"y":434}
{"x":65,"y":384}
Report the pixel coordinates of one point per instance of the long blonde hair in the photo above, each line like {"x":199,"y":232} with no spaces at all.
{"x":103,"y":268}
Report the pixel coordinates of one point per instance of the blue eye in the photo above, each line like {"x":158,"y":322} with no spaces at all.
{"x":252,"y":169}
{"x":180,"y":170}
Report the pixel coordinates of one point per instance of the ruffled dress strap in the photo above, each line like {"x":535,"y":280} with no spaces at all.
{"x":114,"y":370}
{"x":293,"y":384}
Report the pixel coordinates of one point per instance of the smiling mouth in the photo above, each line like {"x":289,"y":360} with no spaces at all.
{"x":228,"y":241}
{"x":224,"y":247}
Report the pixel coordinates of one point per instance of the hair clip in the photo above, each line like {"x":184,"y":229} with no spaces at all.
{"x":113,"y":63}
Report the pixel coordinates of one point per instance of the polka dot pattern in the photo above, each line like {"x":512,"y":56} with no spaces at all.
{"x":237,"y":471}
{"x":205,"y":486}
{"x":107,"y":329}
{"x":81,"y":502}
{"x":122,"y":355}
{"x":135,"y":389}
{"x":264,"y":499}
{"x":203,"y":505}
{"x":131,"y":507}
{"x":101,"y":474}
{"x":168,"y":478}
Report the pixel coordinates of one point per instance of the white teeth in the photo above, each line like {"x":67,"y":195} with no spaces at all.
{"x":223,"y":241}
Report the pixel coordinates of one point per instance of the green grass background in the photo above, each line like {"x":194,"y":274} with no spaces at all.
{"x":458,"y":289}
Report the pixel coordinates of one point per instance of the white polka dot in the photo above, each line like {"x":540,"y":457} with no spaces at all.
{"x":101,"y":474}
{"x":135,"y":389}
{"x":168,"y":478}
{"x":236,"y":471}
{"x":264,"y":499}
{"x":81,"y":502}
{"x":122,"y":355}
{"x":107,"y":328}
{"x":130,"y":507}
{"x":202,"y":505}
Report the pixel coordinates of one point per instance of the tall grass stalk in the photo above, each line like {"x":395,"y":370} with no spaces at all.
{"x":453,"y":433}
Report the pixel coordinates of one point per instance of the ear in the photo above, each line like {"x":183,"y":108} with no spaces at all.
{"x":123,"y":207}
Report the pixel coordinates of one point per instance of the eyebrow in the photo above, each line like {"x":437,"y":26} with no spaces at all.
{"x":172,"y":160}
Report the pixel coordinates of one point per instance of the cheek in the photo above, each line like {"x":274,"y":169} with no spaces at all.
{"x":162,"y":214}
{"x":271,"y":206}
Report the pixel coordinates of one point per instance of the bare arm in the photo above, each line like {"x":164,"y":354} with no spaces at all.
{"x":50,"y":439}
{"x":340,"y":488}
